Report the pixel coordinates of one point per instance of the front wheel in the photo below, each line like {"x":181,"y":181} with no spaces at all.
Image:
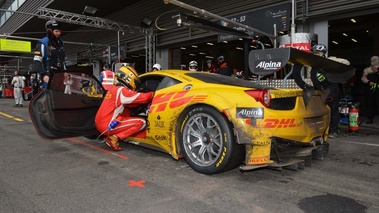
{"x":207,"y":141}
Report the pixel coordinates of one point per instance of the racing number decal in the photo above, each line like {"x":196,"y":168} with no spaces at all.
{"x":177,"y":99}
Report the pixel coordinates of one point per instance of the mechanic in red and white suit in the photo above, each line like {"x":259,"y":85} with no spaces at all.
{"x":113,"y":117}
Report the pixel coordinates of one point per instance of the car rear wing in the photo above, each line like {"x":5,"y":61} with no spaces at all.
{"x":269,"y":61}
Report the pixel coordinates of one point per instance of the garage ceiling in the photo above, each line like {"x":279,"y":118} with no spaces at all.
{"x":114,"y":10}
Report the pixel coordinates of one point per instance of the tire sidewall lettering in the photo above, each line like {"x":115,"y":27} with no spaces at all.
{"x":223,"y":160}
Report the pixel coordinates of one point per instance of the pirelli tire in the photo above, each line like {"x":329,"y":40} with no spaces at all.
{"x":207,"y":141}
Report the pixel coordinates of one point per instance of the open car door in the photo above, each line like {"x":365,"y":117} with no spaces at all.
{"x":68,"y":107}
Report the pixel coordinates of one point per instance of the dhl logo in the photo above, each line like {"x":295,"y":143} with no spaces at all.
{"x":279,"y":123}
{"x":173,"y":100}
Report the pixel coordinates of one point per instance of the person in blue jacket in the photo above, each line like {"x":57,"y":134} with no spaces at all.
{"x":49,"y":55}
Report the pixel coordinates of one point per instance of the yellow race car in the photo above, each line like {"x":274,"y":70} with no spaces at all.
{"x":216,"y":123}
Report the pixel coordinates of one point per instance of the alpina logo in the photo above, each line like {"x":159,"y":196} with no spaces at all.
{"x":250,"y":112}
{"x":272,"y":65}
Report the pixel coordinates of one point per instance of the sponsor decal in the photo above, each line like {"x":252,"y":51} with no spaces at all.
{"x":257,"y":160}
{"x":224,"y":23}
{"x":261,"y":143}
{"x":159,"y":124}
{"x":160,"y":137}
{"x":300,"y":46}
{"x":174,"y":100}
{"x":280,"y":123}
{"x":269,"y":65}
{"x":256,"y":112}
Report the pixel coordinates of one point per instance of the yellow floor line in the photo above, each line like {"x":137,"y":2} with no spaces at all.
{"x":10,"y":116}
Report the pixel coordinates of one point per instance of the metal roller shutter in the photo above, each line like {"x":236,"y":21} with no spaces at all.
{"x":327,"y":8}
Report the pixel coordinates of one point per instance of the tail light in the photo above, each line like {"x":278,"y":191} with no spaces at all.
{"x":262,"y":96}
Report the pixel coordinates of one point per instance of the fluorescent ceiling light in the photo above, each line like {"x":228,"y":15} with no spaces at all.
{"x":183,"y":48}
{"x":225,"y":42}
{"x":210,"y":43}
{"x":201,"y":53}
{"x":194,"y":46}
{"x":354,"y":40}
{"x":334,"y":42}
{"x":344,"y":34}
{"x":191,"y":54}
{"x":89,"y":10}
{"x":208,"y":56}
{"x":146,"y":22}
{"x":353,"y":20}
{"x":239,"y":48}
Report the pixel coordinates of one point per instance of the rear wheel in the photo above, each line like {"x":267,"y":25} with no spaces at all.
{"x":207,"y":141}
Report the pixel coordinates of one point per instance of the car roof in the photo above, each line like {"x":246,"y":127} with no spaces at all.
{"x":211,"y":78}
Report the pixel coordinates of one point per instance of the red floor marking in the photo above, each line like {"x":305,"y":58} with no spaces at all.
{"x":98,"y":148}
{"x":138,"y":183}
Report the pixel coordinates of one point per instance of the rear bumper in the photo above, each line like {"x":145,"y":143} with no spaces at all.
{"x":282,"y":155}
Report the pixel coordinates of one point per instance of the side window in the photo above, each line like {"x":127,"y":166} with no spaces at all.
{"x":166,"y":82}
{"x":149,"y":84}
{"x":153,"y":83}
{"x":76,"y":83}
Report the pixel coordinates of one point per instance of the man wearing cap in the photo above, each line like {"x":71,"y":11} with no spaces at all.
{"x":223,"y":68}
{"x":156,"y":67}
{"x":49,"y":55}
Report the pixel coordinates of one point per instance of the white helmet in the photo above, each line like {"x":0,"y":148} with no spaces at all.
{"x":192,"y":66}
{"x":320,"y":48}
{"x":157,"y":66}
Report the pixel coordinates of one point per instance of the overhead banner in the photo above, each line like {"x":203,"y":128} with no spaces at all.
{"x":15,"y":45}
{"x":262,"y":19}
